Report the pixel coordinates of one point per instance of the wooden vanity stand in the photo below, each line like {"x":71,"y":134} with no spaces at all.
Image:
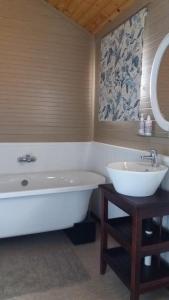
{"x":127,"y":261}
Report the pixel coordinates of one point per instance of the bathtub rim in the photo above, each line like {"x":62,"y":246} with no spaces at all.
{"x":48,"y":191}
{"x":52,"y":190}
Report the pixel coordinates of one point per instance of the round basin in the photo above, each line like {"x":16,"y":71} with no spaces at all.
{"x":136,"y":178}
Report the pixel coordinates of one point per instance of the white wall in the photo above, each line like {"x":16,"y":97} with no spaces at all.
{"x":50,"y":156}
{"x":102,"y":154}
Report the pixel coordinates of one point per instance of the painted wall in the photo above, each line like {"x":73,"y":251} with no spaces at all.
{"x":49,"y":156}
{"x":125,"y":133}
{"x":45,"y":74}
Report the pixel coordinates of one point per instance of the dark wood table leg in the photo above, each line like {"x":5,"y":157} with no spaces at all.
{"x":104,"y":235}
{"x":136,"y":258}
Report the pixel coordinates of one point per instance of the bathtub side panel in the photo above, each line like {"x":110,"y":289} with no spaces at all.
{"x":27,"y":215}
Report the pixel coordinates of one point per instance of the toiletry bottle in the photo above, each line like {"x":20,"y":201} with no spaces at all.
{"x":142,"y":125}
{"x":148,"y":126}
{"x":147,"y":261}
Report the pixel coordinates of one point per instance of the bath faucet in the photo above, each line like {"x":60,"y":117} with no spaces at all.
{"x":26,"y":158}
{"x":153,"y":157}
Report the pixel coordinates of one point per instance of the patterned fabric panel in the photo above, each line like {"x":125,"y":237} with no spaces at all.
{"x":121,"y":70}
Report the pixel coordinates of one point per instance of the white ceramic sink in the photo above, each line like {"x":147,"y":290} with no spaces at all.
{"x":136,"y":178}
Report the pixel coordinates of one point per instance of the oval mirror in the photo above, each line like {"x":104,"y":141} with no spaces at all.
{"x":159,"y":85}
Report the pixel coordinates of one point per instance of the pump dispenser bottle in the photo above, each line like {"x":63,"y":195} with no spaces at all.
{"x":148,"y":126}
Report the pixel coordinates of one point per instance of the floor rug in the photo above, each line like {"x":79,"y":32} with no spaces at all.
{"x":37,"y":263}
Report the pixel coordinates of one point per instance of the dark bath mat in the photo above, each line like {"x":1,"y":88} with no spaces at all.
{"x":37,"y":263}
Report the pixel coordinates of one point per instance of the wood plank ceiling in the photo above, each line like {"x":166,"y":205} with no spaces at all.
{"x":91,"y":14}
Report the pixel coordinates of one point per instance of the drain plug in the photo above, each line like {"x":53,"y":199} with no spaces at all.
{"x":24,"y":182}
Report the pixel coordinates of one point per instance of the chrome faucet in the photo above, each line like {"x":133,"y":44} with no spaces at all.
{"x":153,"y":157}
{"x":26,"y":158}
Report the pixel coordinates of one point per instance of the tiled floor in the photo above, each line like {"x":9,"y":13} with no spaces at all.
{"x":107,"y":287}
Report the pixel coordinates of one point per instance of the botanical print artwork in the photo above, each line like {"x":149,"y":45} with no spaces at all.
{"x":121,"y":69}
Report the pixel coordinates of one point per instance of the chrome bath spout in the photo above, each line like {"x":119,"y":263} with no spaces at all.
{"x":26,"y":158}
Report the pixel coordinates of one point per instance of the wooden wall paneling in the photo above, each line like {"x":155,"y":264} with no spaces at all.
{"x":163,"y":86}
{"x":125,"y":133}
{"x":45,"y":75}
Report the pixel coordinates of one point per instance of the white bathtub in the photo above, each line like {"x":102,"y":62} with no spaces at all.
{"x":49,"y":201}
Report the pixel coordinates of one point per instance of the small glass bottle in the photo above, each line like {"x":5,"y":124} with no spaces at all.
{"x":142,"y":125}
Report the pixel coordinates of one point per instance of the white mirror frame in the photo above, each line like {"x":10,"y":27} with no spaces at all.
{"x":161,"y":121}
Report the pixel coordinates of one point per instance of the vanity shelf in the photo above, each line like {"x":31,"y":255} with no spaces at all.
{"x":150,"y":277}
{"x":127,"y":261}
{"x":162,"y":135}
{"x":121,"y":230}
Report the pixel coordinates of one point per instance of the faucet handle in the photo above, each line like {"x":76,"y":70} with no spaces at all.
{"x":30,"y":158}
{"x":155,"y":158}
{"x":153,"y":150}
{"x":154,"y":154}
{"x":33,"y":158}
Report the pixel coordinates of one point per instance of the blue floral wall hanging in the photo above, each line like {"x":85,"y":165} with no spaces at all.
{"x":121,"y":70}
